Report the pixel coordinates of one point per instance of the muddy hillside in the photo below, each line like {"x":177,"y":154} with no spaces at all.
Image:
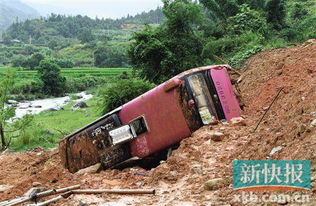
{"x":199,"y":172}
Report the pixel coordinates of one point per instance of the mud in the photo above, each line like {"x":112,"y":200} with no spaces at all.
{"x":180,"y":179}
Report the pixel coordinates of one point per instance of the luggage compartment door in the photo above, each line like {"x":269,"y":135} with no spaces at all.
{"x":225,"y":92}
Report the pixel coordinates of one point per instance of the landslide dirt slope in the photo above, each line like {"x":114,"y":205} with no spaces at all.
{"x":180,"y":180}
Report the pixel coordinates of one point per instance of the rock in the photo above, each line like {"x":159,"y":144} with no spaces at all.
{"x":90,"y":170}
{"x":36,"y":184}
{"x":313,"y":124}
{"x":213,"y":184}
{"x":55,"y":109}
{"x":4,"y":188}
{"x":217,"y":136}
{"x":275,"y":150}
{"x":37,"y":106}
{"x":12,"y":102}
{"x":313,"y":114}
{"x":265,"y":108}
{"x":48,"y":132}
{"x":238,"y":121}
{"x":80,"y":105}
{"x":197,"y":169}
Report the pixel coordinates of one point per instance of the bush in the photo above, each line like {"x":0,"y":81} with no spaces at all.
{"x":53,"y":82}
{"x":122,"y":92}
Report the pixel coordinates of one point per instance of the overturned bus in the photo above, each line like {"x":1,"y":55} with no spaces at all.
{"x":153,"y":121}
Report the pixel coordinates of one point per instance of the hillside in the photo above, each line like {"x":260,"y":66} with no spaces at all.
{"x":13,"y":10}
{"x":180,"y":180}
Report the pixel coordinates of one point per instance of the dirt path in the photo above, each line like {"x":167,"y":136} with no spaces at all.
{"x":180,"y":180}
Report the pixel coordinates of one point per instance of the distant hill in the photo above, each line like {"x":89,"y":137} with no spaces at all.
{"x":60,"y":27}
{"x":13,"y":10}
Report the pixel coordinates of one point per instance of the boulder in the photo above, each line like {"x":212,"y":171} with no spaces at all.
{"x":12,"y":102}
{"x":80,"y":105}
{"x":55,"y":109}
{"x":238,"y":121}
{"x":313,"y":123}
{"x":90,"y":170}
{"x":217,"y":136}
{"x":213,"y":184}
{"x":275,"y":150}
{"x":36,"y":184}
{"x":4,"y":188}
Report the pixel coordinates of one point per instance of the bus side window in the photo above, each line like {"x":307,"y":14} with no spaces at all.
{"x":139,"y":126}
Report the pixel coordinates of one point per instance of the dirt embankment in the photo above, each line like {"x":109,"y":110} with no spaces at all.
{"x":180,"y":180}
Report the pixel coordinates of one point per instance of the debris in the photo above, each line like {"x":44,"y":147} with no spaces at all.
{"x":36,"y":184}
{"x":217,"y":136}
{"x":313,"y":114}
{"x":275,"y":150}
{"x":92,"y":169}
{"x":213,"y":184}
{"x":5,"y":187}
{"x":313,"y":123}
{"x":238,"y":121}
{"x":36,"y":196}
{"x":79,"y":105}
{"x":141,"y":173}
{"x":197,"y":169}
{"x":55,"y":199}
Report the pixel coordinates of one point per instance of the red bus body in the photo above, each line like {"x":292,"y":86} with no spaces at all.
{"x":158,"y":119}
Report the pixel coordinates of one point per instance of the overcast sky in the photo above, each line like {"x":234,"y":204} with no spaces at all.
{"x":93,"y":8}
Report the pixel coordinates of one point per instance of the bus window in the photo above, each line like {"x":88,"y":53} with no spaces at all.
{"x":139,"y":126}
{"x":202,"y":98}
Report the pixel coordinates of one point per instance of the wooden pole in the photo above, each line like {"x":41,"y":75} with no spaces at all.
{"x":39,"y":195}
{"x":274,"y":99}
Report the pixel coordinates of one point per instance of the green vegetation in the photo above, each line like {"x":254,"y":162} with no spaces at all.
{"x":7,"y":131}
{"x":193,"y":33}
{"x":53,"y":83}
{"x":73,"y":40}
{"x":122,"y":92}
{"x":48,"y":127}
{"x":27,"y":85}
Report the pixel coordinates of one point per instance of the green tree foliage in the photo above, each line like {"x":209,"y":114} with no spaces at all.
{"x":110,"y":56}
{"x":123,"y":91}
{"x":49,"y":74}
{"x":18,"y":127}
{"x":160,"y":53}
{"x":6,"y":113}
{"x":247,"y":20}
{"x":276,"y":13}
{"x":86,"y":36}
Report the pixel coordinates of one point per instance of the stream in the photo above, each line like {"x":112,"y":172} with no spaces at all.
{"x":37,"y":106}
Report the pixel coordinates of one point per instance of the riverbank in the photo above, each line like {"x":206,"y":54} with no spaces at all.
{"x":48,"y":127}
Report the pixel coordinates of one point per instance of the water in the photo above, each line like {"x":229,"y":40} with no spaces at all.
{"x":37,"y":106}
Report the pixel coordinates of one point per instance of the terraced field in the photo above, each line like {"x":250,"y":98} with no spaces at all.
{"x":75,"y":72}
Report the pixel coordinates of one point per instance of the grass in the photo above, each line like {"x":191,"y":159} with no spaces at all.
{"x":49,"y":127}
{"x":72,"y":72}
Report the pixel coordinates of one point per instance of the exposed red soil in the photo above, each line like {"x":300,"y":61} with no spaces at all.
{"x":180,"y":180}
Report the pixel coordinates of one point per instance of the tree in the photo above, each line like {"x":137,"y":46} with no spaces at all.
{"x":160,"y":53}
{"x":86,"y":36}
{"x":49,"y":73}
{"x":18,"y":127}
{"x":123,"y":91}
{"x":6,"y":112}
{"x":276,"y":13}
